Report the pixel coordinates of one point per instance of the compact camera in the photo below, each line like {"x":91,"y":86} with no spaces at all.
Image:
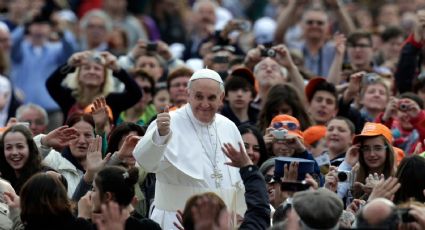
{"x":279,"y":134}
{"x":344,"y":176}
{"x":268,"y":53}
{"x":403,"y":107}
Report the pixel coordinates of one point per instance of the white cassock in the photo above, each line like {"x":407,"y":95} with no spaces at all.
{"x":183,"y":164}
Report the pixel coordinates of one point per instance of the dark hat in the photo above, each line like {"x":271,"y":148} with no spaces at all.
{"x":318,"y":209}
{"x":311,"y":86}
{"x":244,"y":73}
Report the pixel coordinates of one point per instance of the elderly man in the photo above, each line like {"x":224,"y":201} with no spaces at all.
{"x":184,"y":149}
{"x":35,"y":115}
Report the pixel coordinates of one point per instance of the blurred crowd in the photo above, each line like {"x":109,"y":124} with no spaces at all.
{"x":327,"y":96}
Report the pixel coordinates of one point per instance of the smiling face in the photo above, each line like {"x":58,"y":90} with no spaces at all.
{"x":338,"y":136}
{"x":205,"y":98}
{"x":252,"y":147}
{"x":374,"y":152}
{"x":91,"y":75}
{"x":80,"y":145}
{"x":375,"y":97}
{"x":315,"y":24}
{"x":16,"y":150}
{"x":178,"y":90}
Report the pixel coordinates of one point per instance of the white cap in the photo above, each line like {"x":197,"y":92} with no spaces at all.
{"x":206,"y":74}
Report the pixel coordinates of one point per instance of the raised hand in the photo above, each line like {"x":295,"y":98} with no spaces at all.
{"x":79,"y":58}
{"x":391,"y":109}
{"x":125,"y":153}
{"x":239,"y":158}
{"x":410,"y":107}
{"x":111,"y":61}
{"x":331,"y":180}
{"x":179,"y":216}
{"x":12,"y":200}
{"x":352,"y":156}
{"x":283,"y":57}
{"x":355,"y":84}
{"x":290,"y":171}
{"x":340,"y":41}
{"x":163,"y":122}
{"x":60,"y":138}
{"x":113,"y":217}
{"x":385,"y":188}
{"x":94,"y":161}
{"x":100,"y":114}
{"x":85,"y":206}
{"x":164,"y":51}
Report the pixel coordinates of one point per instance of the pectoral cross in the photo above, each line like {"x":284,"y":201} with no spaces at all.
{"x":217,"y":176}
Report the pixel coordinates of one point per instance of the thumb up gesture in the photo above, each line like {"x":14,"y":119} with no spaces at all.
{"x":163,"y":122}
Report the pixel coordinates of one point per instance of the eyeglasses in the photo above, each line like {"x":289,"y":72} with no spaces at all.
{"x":375,"y":148}
{"x":269,"y":179}
{"x":317,"y":22}
{"x":287,"y":125}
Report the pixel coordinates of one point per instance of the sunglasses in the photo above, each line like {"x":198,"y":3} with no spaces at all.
{"x":269,"y":179}
{"x":287,"y":125}
{"x":362,"y":46}
{"x":317,"y":22}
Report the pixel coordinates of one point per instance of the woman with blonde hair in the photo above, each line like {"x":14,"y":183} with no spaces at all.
{"x":88,"y":75}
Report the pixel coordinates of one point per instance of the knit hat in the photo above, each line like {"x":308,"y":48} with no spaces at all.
{"x":371,"y":129}
{"x":314,"y":133}
{"x":318,"y":209}
{"x":287,"y":122}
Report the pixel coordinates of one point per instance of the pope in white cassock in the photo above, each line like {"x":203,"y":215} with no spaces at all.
{"x":183,"y":148}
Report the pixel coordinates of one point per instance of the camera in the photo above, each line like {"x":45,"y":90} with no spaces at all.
{"x":279,"y":134}
{"x":403,"y":107}
{"x":97,"y":58}
{"x":268,"y":53}
{"x":244,"y":26}
{"x":152,"y":46}
{"x":344,"y":176}
{"x":371,"y":78}
{"x":404,"y":215}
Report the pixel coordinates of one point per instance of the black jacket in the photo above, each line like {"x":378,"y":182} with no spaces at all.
{"x":257,"y":215}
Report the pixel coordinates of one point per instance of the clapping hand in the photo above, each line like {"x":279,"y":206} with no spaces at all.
{"x":60,"y":138}
{"x":163,"y":122}
{"x":239,"y":158}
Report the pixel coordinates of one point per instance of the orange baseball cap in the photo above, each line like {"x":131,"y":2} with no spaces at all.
{"x":371,"y":129}
{"x":286,"y":118}
{"x":399,"y":155}
{"x":314,"y":133}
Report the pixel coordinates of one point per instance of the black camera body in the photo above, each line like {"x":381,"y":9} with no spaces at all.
{"x":268,"y":53}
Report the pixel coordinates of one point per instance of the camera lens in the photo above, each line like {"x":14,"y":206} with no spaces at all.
{"x":342,"y":176}
{"x":271,"y":53}
{"x":403,"y":107}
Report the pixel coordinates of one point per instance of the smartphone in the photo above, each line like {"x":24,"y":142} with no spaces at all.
{"x":152,"y":46}
{"x":294,"y":186}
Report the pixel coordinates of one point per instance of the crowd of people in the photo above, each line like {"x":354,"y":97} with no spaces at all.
{"x":212,"y":114}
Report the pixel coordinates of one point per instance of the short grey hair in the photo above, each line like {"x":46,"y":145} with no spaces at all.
{"x":220,"y":84}
{"x":97,"y":14}
{"x":283,"y":70}
{"x":198,"y":4}
{"x":26,"y":107}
